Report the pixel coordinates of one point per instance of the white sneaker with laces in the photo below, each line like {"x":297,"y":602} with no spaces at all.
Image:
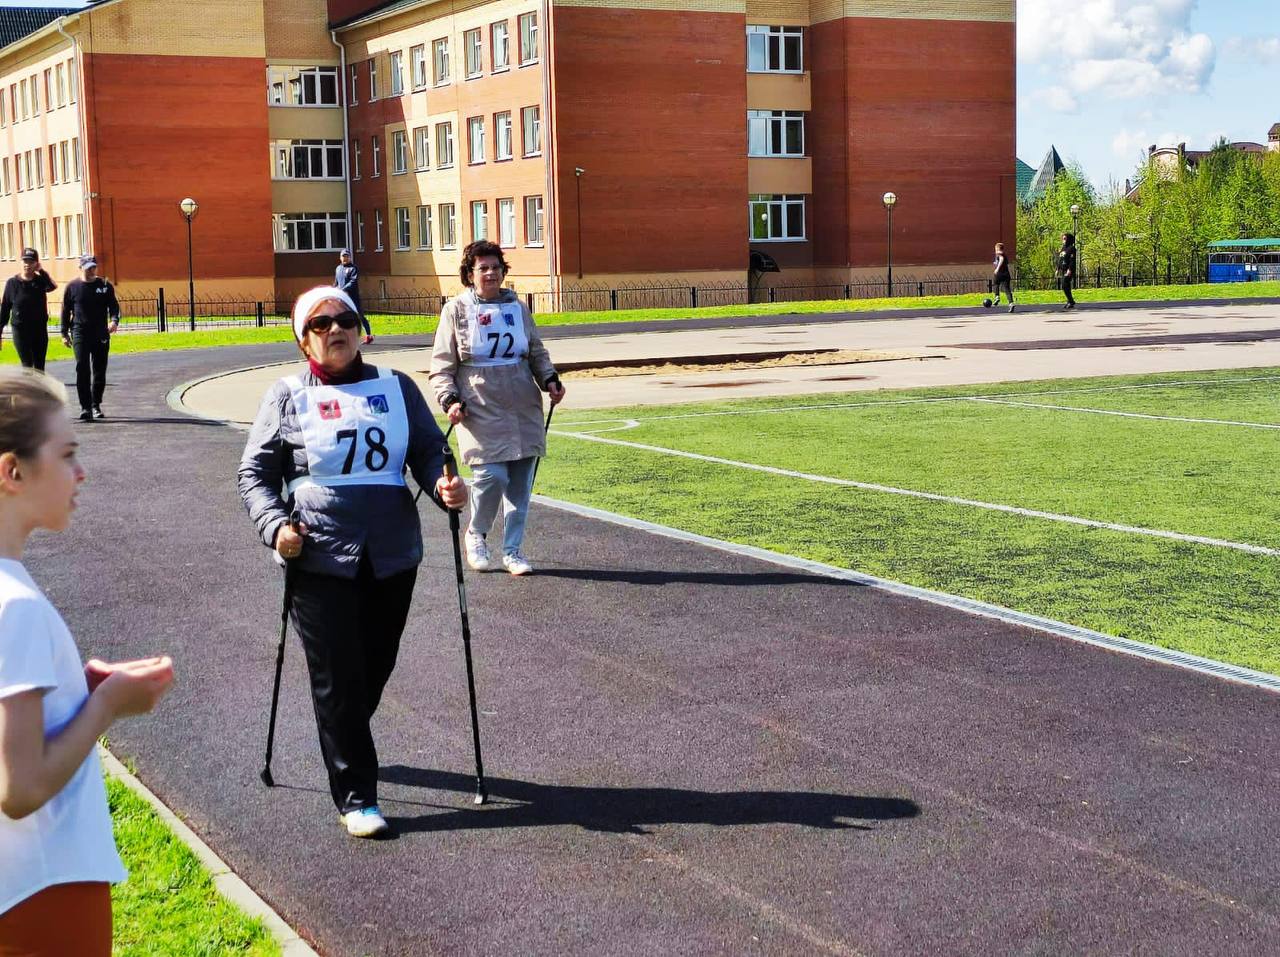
{"x":517,"y":564}
{"x":478,"y":556}
{"x":365,"y":822}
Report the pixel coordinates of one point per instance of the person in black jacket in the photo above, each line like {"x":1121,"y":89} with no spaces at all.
{"x":347,"y":278}
{"x":90,"y":314}
{"x":1003,"y":276}
{"x":1067,"y":267}
{"x":26,"y":302}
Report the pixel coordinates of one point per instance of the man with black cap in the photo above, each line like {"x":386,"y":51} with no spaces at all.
{"x":26,"y":301}
{"x":90,"y":314}
{"x":347,"y":278}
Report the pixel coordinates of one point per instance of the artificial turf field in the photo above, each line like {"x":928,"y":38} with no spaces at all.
{"x":1195,"y":455}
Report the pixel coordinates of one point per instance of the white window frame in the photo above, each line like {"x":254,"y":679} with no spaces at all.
{"x":425,"y":227}
{"x":536,"y":113}
{"x":397,"y":72}
{"x":774,"y":208}
{"x":767,"y":132}
{"x":507,"y":223}
{"x":528,"y":29}
{"x":479,"y":220}
{"x":373,"y":78}
{"x":377,"y":158}
{"x":499,"y":64}
{"x":302,"y":87}
{"x":355,"y":159}
{"x":288,"y":156}
{"x":768,"y":44}
{"x":399,"y":152}
{"x":502,"y":136}
{"x":448,"y":226}
{"x":359,"y":232}
{"x":475,"y":140}
{"x":422,"y":148}
{"x":60,"y":80}
{"x":354,"y":70}
{"x":333,"y":224}
{"x":444,"y":145}
{"x":473,"y":51}
{"x":441,"y":75}
{"x":404,"y":235}
{"x":418,"y":66}
{"x":377,"y":230}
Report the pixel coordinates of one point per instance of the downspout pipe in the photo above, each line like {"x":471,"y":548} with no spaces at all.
{"x":345,"y":85}
{"x":550,"y":220}
{"x":83,"y":157}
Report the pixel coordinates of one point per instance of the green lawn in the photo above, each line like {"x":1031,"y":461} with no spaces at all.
{"x":393,"y":325}
{"x":169,"y":907}
{"x":1201,"y":479}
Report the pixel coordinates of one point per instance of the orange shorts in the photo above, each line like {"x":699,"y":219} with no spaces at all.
{"x":65,"y":920}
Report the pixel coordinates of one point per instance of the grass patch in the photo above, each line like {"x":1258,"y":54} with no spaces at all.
{"x":1193,"y":478}
{"x":169,"y":907}
{"x":143,"y":340}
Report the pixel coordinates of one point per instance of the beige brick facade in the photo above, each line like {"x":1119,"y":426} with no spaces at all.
{"x":227,"y":28}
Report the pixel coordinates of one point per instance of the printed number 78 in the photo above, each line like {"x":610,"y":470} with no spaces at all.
{"x":376,"y":439}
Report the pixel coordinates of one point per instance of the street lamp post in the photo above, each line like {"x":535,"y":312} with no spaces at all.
{"x":189,"y":208}
{"x":890,"y":200}
{"x":1075,"y":231}
{"x":577,"y":182}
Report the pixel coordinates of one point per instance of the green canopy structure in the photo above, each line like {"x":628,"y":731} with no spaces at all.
{"x":1242,"y":243}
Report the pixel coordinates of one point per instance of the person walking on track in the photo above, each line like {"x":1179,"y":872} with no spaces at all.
{"x":332,"y":443}
{"x":26,"y":303}
{"x":90,"y":316}
{"x":1066,"y":268}
{"x":487,"y":368}
{"x":1003,"y":276}
{"x":57,"y":854}
{"x":347,"y":278}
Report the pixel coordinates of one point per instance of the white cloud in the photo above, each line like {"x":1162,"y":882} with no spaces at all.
{"x":1119,"y":49}
{"x":1254,"y":49}
{"x":1133,"y":144}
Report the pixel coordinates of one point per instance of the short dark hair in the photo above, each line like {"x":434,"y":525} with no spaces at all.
{"x":481,"y":247}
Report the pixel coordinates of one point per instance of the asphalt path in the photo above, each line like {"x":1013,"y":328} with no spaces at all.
{"x":689,"y":751}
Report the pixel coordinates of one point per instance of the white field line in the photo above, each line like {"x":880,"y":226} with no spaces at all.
{"x":1126,"y":415}
{"x":931,"y":496}
{"x":944,"y":398}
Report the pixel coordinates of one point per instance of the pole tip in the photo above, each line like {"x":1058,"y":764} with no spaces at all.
{"x":267,"y":779}
{"x":481,"y":797}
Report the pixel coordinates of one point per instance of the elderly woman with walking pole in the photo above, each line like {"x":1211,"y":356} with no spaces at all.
{"x":489,"y":369}
{"x":332,"y":444}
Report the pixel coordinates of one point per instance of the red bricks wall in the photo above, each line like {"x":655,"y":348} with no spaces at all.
{"x":161,"y":128}
{"x":652,"y":104}
{"x":925,"y":109}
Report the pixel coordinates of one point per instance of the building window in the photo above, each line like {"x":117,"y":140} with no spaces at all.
{"x":4,"y":111}
{"x":531,"y":127}
{"x":424,"y":227}
{"x":64,"y":151}
{"x":440,"y":57}
{"x":399,"y":152}
{"x":444,"y":145}
{"x":5,"y":181}
{"x":403,"y":239}
{"x":60,"y":82}
{"x":310,"y":232}
{"x":44,"y":234}
{"x":500,"y":45}
{"x":53,"y":164}
{"x":418,"y":66}
{"x":58,"y":251}
{"x":775,"y":133}
{"x":22,"y":96}
{"x":355,"y":159}
{"x":479,"y":220}
{"x":775,"y":49}
{"x":471,"y":45}
{"x":75,"y":155}
{"x":502,"y":136}
{"x":373,"y":78}
{"x":448,"y":226}
{"x":73,"y":80}
{"x":528,"y":38}
{"x":421,"y":150}
{"x":506,"y":222}
{"x":776,"y":218}
{"x":377,"y":158}
{"x":359,"y":232}
{"x":475,"y":139}
{"x":308,"y":159}
{"x":397,"y":73}
{"x":302,"y":86}
{"x":37,"y":155}
{"x":377,"y":230}
{"x":355,"y":85}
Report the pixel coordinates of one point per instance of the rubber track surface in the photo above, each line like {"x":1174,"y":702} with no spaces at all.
{"x":689,"y":752}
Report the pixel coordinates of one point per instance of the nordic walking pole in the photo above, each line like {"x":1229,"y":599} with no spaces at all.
{"x":450,"y":470}
{"x":294,"y":521}
{"x":545,"y":430}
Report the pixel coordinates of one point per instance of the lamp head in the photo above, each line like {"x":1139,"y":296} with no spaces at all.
{"x":578,"y":171}
{"x":1075,"y":209}
{"x":189,"y":207}
{"x":890,"y":199}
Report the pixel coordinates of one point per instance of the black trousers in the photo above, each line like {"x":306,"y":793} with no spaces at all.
{"x":1006,"y":286}
{"x":350,"y":630}
{"x":91,"y":367}
{"x":1067,"y":282}
{"x":31,"y":343}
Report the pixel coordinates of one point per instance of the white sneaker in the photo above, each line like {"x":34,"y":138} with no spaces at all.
{"x":365,"y":822}
{"x":478,"y":556}
{"x":517,"y":564}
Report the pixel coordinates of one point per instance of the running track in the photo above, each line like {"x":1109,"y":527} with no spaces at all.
{"x":689,"y":751}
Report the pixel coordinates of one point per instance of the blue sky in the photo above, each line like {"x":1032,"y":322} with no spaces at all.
{"x":1104,"y":79}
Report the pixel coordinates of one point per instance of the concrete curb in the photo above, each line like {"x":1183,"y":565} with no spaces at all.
{"x":228,"y":883}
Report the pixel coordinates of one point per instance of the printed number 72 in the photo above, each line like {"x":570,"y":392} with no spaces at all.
{"x":495,"y":339}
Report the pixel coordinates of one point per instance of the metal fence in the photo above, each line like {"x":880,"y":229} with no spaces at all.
{"x":153,"y":311}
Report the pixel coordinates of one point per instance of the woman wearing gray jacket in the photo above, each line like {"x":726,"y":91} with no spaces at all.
{"x":487,"y":369}
{"x":333,"y":443}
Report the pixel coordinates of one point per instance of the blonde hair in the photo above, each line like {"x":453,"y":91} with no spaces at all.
{"x":26,"y":399}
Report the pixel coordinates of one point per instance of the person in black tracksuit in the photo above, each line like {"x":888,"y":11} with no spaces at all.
{"x":1066,"y":268}
{"x":1002,"y":276}
{"x":347,"y":278}
{"x":26,"y":302}
{"x":90,"y":314}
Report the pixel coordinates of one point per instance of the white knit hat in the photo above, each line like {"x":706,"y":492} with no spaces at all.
{"x":310,"y":299}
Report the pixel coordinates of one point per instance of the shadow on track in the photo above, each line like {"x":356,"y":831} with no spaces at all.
{"x":647,"y":576}
{"x":154,"y":420}
{"x":628,"y":810}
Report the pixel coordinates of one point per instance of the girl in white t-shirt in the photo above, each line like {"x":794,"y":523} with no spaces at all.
{"x":57,"y":855}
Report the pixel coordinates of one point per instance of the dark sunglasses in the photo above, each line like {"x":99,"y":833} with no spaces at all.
{"x":345,"y":320}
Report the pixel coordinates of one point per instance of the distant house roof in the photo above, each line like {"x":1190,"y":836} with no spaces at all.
{"x":1049,"y":169}
{"x":19,"y":22}
{"x":1274,"y":132}
{"x":1025,"y":174}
